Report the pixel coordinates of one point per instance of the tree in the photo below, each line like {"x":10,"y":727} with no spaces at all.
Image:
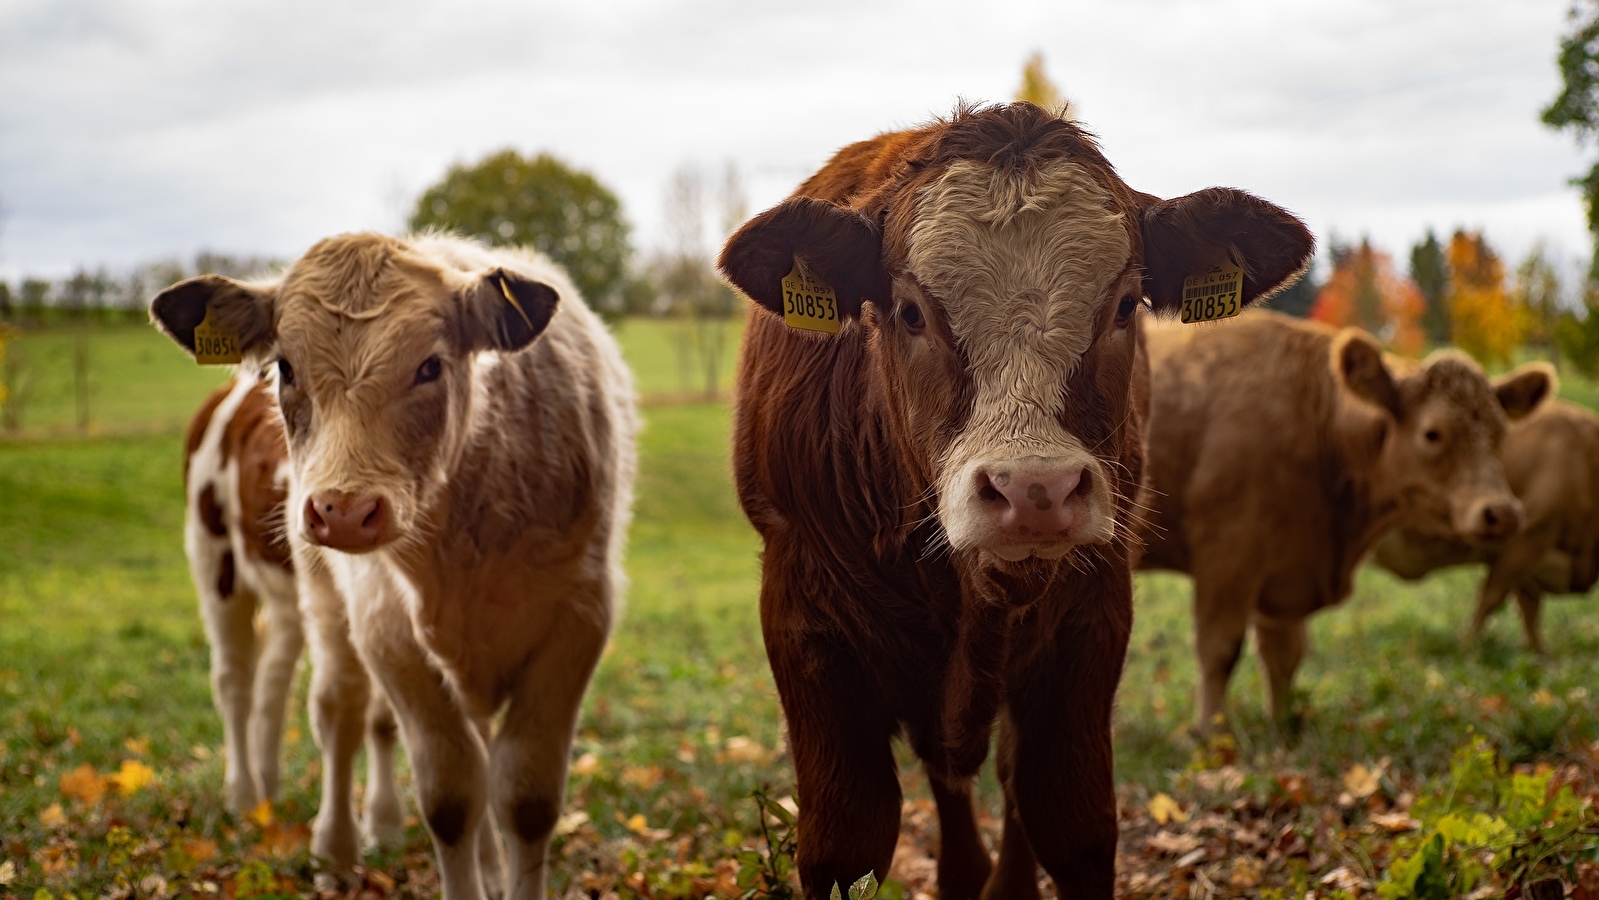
{"x":1298,"y":298}
{"x":1577,"y":335}
{"x":1486,"y":324}
{"x":1036,"y":88}
{"x":1365,"y":290}
{"x":1430,"y":271}
{"x":508,"y":199}
{"x":688,"y":284}
{"x":1576,"y":108}
{"x":1536,"y":290}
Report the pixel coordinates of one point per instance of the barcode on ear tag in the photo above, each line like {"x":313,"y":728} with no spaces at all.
{"x":808,"y":302}
{"x":1216,"y":293}
{"x":215,"y":344}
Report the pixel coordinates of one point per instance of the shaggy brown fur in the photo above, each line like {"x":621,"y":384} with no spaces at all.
{"x":886,"y":605}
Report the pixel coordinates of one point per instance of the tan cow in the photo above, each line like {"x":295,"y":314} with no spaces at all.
{"x":1279,"y":450}
{"x":461,"y":451}
{"x":235,"y":473}
{"x":1551,"y":458}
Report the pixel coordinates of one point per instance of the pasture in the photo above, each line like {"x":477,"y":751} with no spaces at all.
{"x":110,"y":770}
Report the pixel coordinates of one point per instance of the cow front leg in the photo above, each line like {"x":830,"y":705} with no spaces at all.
{"x":846,"y":780}
{"x":383,"y":818}
{"x":1016,"y":875}
{"x":963,"y":862}
{"x":1222,"y":608}
{"x":449,"y":758}
{"x":1062,"y":776}
{"x":339,"y":692}
{"x":527,"y":768}
{"x":274,"y":681}
{"x":1530,"y":602}
{"x":230,"y":628}
{"x":1281,"y":643}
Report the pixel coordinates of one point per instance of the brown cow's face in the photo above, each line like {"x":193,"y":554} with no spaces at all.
{"x":1440,"y":442}
{"x":1005,"y":264}
{"x":373,"y":351}
{"x":1011,"y":330}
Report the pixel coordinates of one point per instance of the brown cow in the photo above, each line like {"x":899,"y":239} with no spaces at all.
{"x":944,"y":487}
{"x":1279,"y":450}
{"x":460,"y":442}
{"x":235,"y":473}
{"x":1551,"y":458}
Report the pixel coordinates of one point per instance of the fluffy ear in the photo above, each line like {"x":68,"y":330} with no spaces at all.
{"x":1186,"y":235}
{"x":505,"y":310}
{"x":1525,"y":388}
{"x":244,"y":309}
{"x":1358,"y":362}
{"x":840,"y":247}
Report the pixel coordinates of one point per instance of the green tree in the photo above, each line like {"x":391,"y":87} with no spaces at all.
{"x":509,"y":199}
{"x":1576,"y":108}
{"x":1536,"y":289}
{"x":1297,"y":298}
{"x":1430,"y":271}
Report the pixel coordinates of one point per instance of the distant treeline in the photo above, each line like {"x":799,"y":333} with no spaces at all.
{"x":105,"y":297}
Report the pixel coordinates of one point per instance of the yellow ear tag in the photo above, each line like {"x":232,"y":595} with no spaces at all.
{"x":215,"y":344}
{"x":808,"y":303}
{"x":1216,"y":293}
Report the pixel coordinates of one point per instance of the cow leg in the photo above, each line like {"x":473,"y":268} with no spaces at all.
{"x":846,"y":780}
{"x":963,"y":863}
{"x":1517,"y":557}
{"x":527,"y":767}
{"x":383,"y":820}
{"x":1016,"y":875}
{"x":1222,"y":608}
{"x":1531,"y":603}
{"x":1062,"y":777}
{"x":230,"y":627}
{"x":339,"y":691}
{"x":1282,"y":647}
{"x":274,"y":680}
{"x":447,"y":752}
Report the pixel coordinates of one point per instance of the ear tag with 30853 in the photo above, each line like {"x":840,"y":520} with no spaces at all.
{"x":809,"y":302}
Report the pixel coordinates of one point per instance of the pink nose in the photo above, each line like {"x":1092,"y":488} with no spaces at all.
{"x":1034,"y":505}
{"x":347,"y":521}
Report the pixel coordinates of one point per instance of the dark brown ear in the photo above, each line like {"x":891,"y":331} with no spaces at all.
{"x":1525,"y":388}
{"x":840,"y":247}
{"x":244,"y":309}
{"x":505,"y":310}
{"x":1187,"y":235}
{"x":1358,"y":363}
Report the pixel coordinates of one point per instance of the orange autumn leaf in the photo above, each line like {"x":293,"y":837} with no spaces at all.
{"x":199,"y":849}
{"x":52,"y":816}
{"x":262,"y":814}
{"x":84,"y":784}
{"x":1366,"y":290}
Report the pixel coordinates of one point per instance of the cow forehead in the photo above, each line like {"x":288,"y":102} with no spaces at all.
{"x":334,"y":348}
{"x":1019,"y":259}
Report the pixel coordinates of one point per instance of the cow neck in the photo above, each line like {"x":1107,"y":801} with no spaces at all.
{"x":1367,"y":498}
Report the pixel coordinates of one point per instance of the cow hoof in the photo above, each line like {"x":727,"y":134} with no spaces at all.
{"x":335,"y":843}
{"x":384,"y":824}
{"x":243,"y":798}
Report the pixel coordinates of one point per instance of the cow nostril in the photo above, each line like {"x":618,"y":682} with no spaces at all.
{"x":371,"y":520}
{"x":1490,"y":517}
{"x":1084,"y":485}
{"x":987,"y":492}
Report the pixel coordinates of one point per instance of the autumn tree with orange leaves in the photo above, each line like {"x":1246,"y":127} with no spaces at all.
{"x":1365,"y":290}
{"x":1486,"y":323}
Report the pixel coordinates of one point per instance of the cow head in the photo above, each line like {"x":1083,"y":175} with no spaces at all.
{"x":1439,"y":435}
{"x":1000,"y":273}
{"x":373,"y":346}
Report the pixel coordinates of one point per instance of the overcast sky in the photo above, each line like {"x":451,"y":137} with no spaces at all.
{"x":132,"y":130}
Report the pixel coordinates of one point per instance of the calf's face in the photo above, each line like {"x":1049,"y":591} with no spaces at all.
{"x":372,"y":348}
{"x":1443,"y":424}
{"x":1006,"y":268}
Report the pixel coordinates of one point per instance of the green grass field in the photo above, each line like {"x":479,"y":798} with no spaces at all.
{"x":103,"y":660}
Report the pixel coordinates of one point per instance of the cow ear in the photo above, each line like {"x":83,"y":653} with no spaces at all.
{"x":840,"y":247}
{"x":1187,"y":235}
{"x":1525,"y":388}
{"x":243,"y":309}
{"x":1357,"y":359}
{"x":505,"y":310}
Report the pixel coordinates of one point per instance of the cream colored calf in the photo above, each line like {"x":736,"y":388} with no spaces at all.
{"x":461,"y":446}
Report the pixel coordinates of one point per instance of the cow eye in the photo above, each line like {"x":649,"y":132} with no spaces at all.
{"x":1433,"y":436}
{"x":1125,"y":310}
{"x":285,"y":373}
{"x":430,"y":370}
{"x":911,"y":315}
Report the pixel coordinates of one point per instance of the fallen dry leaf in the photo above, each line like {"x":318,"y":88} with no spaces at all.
{"x":587,"y":764}
{"x":139,"y":746}
{"x":262,"y":814}
{"x":1171,"y":844}
{"x":1361,"y":781}
{"x":52,"y":816}
{"x":1162,"y":808}
{"x":1247,"y":872}
{"x":84,"y":784}
{"x":133,"y":777}
{"x":1395,"y":822}
{"x":741,"y":749}
{"x":642,"y":777}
